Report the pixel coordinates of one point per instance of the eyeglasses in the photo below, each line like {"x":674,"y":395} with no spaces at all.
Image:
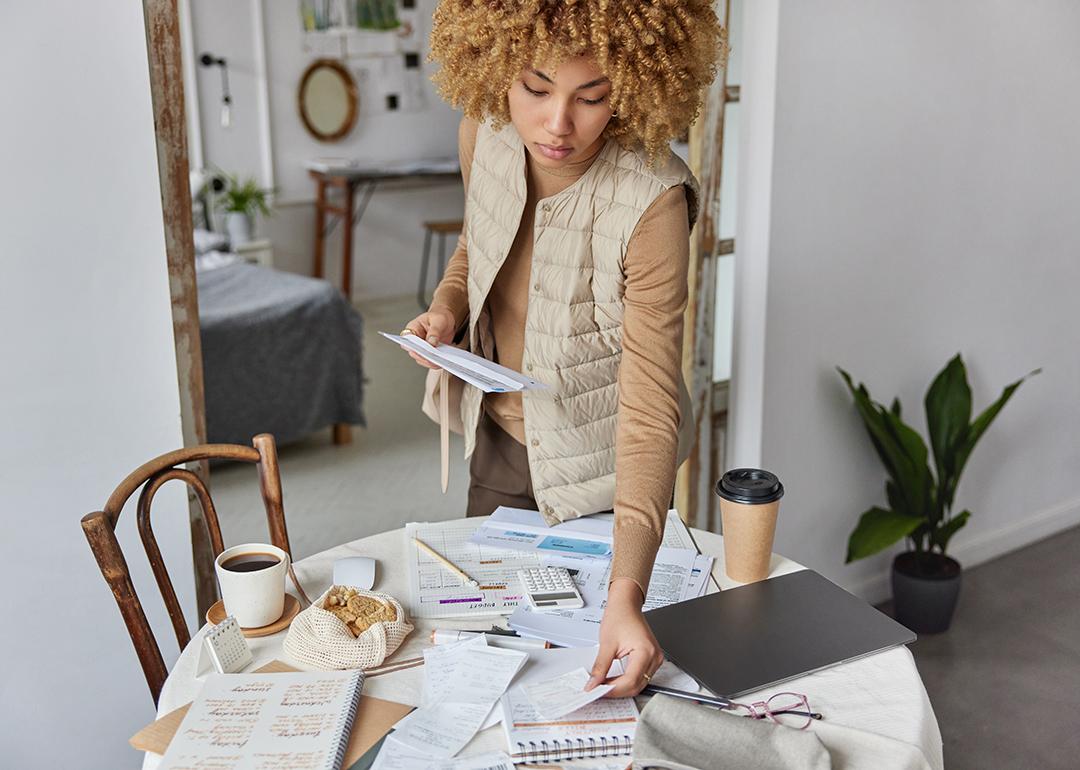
{"x":790,"y":709}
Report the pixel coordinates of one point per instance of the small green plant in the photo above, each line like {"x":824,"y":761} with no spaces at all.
{"x":244,"y":197}
{"x":920,"y":500}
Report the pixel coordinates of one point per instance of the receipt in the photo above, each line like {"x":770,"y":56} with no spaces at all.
{"x":395,"y":755}
{"x":557,"y":697}
{"x":465,"y":682}
{"x":442,"y":730}
{"x":441,"y":663}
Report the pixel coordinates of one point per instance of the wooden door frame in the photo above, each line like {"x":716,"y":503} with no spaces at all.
{"x":693,"y":493}
{"x":162,"y":20}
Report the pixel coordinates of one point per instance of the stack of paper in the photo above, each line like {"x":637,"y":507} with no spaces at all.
{"x":538,"y":725}
{"x":486,"y":375}
{"x":584,"y":546}
{"x":436,"y":592}
{"x":462,"y":683}
{"x":458,"y":673}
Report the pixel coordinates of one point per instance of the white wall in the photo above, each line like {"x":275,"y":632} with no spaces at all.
{"x":88,"y":376}
{"x":924,"y":184}
{"x":389,"y":240}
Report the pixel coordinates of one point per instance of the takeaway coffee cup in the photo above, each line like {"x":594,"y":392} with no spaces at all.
{"x":252,"y":580}
{"x":749,"y":502}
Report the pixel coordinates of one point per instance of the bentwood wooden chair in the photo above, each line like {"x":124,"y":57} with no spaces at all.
{"x":100,"y":530}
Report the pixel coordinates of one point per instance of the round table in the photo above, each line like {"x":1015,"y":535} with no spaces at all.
{"x":877,"y":713}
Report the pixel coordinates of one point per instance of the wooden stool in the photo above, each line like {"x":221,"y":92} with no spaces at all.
{"x":442,"y":229}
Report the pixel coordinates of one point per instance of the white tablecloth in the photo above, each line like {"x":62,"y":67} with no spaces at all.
{"x":877,"y":713}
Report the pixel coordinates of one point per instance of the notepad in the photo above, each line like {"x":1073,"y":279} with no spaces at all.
{"x":240,"y":721}
{"x":602,"y":728}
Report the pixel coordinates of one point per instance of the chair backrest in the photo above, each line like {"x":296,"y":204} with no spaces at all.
{"x":100,"y":530}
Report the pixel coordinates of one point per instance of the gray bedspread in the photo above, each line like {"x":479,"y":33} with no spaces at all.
{"x":281,"y":354}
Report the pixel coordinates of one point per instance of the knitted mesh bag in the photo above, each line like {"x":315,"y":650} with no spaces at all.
{"x":319,"y":638}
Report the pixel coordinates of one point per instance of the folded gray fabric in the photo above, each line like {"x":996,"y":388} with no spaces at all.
{"x":675,"y":734}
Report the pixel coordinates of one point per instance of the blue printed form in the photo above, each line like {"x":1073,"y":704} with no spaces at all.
{"x":573,"y":546}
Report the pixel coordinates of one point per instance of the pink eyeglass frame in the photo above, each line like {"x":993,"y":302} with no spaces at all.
{"x":761,"y":710}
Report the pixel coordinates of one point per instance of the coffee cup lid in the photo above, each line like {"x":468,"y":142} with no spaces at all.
{"x":750,"y":486}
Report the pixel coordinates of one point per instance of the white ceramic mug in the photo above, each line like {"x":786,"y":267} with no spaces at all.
{"x":256,"y":598}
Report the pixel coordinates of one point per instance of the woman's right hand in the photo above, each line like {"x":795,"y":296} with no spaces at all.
{"x":436,"y":326}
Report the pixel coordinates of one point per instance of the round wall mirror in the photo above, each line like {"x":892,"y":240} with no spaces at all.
{"x":327,"y":100}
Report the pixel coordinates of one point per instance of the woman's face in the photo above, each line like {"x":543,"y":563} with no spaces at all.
{"x":561,"y":114}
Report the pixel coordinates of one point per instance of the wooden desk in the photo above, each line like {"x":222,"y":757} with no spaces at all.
{"x":352,"y":202}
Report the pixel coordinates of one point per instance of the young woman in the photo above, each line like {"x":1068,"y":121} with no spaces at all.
{"x":573,"y":265}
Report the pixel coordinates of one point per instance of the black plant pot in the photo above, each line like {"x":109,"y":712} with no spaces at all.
{"x":925,"y":588}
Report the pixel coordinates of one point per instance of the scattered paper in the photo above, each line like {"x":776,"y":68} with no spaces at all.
{"x":588,"y":536}
{"x":466,"y":680}
{"x":563,"y":694}
{"x":395,"y":755}
{"x":434,"y":592}
{"x":441,"y":663}
{"x":443,"y":730}
{"x":670,"y":581}
{"x":609,"y":723}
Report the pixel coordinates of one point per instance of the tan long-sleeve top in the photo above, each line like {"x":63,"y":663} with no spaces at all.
{"x":656,"y":263}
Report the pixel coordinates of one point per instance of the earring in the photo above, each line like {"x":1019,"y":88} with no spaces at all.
{"x":614,"y":114}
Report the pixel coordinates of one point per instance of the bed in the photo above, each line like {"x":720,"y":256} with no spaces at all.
{"x":282,"y":353}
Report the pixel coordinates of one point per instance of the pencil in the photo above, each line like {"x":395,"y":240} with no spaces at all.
{"x":445,"y":562}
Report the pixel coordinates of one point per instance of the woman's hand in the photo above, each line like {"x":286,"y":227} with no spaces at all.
{"x":623,"y":631}
{"x":436,"y":326}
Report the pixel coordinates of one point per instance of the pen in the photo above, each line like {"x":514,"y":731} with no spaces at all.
{"x":708,"y":700}
{"x":445,"y":562}
{"x":495,"y":639}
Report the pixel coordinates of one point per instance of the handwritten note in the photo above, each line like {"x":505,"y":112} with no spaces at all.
{"x":295,"y":720}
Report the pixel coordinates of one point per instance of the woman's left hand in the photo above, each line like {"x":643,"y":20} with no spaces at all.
{"x":624,"y":632}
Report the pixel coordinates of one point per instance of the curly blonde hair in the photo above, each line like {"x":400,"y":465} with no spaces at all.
{"x":660,"y":55}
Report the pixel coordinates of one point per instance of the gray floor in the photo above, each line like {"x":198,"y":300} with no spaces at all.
{"x":1004,"y":680}
{"x":388,"y":475}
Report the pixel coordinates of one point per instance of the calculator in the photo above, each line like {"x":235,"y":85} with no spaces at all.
{"x":550,"y":588}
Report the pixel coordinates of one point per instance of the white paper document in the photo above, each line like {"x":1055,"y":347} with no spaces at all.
{"x":602,"y":728}
{"x":486,"y":375}
{"x":698,"y":584}
{"x":670,"y":582}
{"x":557,"y":697}
{"x":442,"y":730}
{"x":395,"y":755}
{"x":587,"y":537}
{"x":467,"y":679}
{"x":441,"y":665}
{"x":436,"y":592}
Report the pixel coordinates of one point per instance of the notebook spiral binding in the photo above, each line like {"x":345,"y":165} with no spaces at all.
{"x":346,"y":724}
{"x":553,"y":751}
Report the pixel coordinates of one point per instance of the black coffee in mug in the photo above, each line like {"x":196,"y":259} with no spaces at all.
{"x":250,"y":562}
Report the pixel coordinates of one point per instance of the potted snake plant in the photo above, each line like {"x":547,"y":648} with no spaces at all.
{"x":925,"y":579}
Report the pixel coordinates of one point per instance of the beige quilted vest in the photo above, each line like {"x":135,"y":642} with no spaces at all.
{"x":573,"y":325}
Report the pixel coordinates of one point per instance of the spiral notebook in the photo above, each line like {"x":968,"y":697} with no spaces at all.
{"x":603,"y":728}
{"x":242,"y":721}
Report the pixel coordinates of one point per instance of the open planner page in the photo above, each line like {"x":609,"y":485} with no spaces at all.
{"x":299,"y":721}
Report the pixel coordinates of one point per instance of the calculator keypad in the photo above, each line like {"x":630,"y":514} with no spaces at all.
{"x":550,"y":588}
